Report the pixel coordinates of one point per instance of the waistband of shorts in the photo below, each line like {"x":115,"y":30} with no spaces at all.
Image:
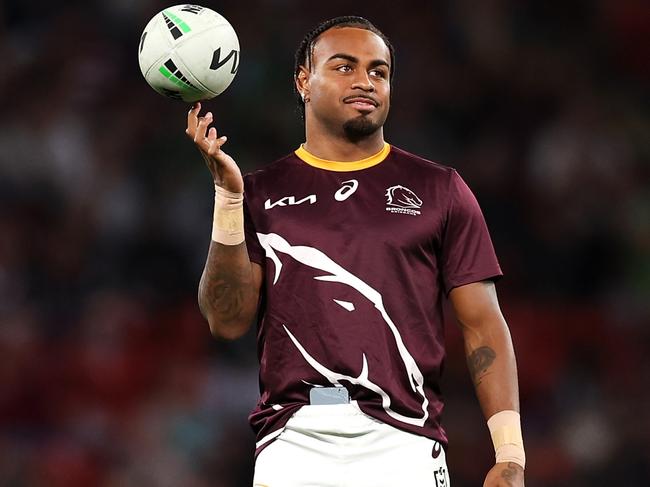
{"x":329,"y":410}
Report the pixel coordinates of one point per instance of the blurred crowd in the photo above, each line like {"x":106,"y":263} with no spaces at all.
{"x":108,"y":374}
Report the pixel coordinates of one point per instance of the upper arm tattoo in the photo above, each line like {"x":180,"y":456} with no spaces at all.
{"x":479,"y":362}
{"x":226,"y":287}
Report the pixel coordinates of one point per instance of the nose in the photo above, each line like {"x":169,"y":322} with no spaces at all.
{"x":362,"y":81}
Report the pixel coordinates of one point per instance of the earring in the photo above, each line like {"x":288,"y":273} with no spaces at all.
{"x":305,"y":99}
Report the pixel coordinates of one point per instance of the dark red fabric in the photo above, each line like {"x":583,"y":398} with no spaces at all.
{"x":360,"y":280}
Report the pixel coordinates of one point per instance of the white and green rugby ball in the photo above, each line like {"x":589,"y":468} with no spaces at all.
{"x":189,"y":53}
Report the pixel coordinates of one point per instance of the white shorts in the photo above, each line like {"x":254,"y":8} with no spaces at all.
{"x":340,"y":446}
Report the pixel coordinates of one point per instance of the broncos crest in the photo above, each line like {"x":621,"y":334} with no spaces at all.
{"x":402,"y":197}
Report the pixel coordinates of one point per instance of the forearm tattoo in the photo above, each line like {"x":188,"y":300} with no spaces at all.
{"x":479,"y":362}
{"x":225,"y":286}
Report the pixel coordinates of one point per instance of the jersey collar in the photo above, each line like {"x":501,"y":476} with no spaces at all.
{"x":338,"y":166}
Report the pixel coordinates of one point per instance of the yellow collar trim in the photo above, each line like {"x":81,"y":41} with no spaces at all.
{"x":343,"y":166}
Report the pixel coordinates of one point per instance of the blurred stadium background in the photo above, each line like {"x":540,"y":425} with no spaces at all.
{"x":109,"y":376}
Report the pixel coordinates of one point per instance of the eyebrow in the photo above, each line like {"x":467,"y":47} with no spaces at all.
{"x":373,"y":64}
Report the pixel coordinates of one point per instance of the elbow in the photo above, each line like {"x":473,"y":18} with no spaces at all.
{"x":227,"y":331}
{"x":228,"y":319}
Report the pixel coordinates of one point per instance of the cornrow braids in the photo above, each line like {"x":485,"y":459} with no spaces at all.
{"x":305,"y":51}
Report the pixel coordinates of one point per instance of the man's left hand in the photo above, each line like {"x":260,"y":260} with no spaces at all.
{"x":507,"y":474}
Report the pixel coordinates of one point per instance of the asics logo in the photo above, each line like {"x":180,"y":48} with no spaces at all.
{"x":347,"y":190}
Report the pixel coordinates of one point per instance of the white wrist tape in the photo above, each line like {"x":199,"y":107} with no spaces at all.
{"x":505,"y":429}
{"x":228,"y":220}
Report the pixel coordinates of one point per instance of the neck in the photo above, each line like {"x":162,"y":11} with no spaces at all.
{"x":337,"y":147}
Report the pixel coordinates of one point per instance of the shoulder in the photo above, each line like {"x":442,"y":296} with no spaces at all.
{"x":425,"y":164}
{"x":273,"y":168}
{"x":441,"y":173}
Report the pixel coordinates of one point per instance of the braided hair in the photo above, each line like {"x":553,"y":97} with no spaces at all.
{"x":305,"y":51}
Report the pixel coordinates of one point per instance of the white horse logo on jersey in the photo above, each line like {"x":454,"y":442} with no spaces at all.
{"x":402,"y":197}
{"x":316,"y":259}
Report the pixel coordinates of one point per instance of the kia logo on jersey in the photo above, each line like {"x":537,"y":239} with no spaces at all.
{"x":289,"y":201}
{"x":347,"y":190}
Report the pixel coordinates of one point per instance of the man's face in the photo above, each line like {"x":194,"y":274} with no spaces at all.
{"x":348,"y":83}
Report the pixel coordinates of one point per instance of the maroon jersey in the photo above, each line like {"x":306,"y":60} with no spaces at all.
{"x":357,"y":257}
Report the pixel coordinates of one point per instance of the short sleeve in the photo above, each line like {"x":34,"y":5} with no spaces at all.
{"x":255,"y":250}
{"x":467,"y":253}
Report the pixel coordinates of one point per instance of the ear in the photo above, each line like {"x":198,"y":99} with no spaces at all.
{"x":302,"y":81}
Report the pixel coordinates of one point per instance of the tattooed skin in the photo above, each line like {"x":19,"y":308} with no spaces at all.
{"x":479,"y":361}
{"x":510,"y":474}
{"x":225,"y":287}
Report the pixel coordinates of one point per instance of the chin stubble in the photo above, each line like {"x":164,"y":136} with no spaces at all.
{"x":360,"y":127}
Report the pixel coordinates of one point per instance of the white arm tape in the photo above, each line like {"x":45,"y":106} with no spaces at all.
{"x":228,"y":220}
{"x":505,"y":429}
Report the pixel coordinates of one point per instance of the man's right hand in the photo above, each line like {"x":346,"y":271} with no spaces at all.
{"x":224,"y":169}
